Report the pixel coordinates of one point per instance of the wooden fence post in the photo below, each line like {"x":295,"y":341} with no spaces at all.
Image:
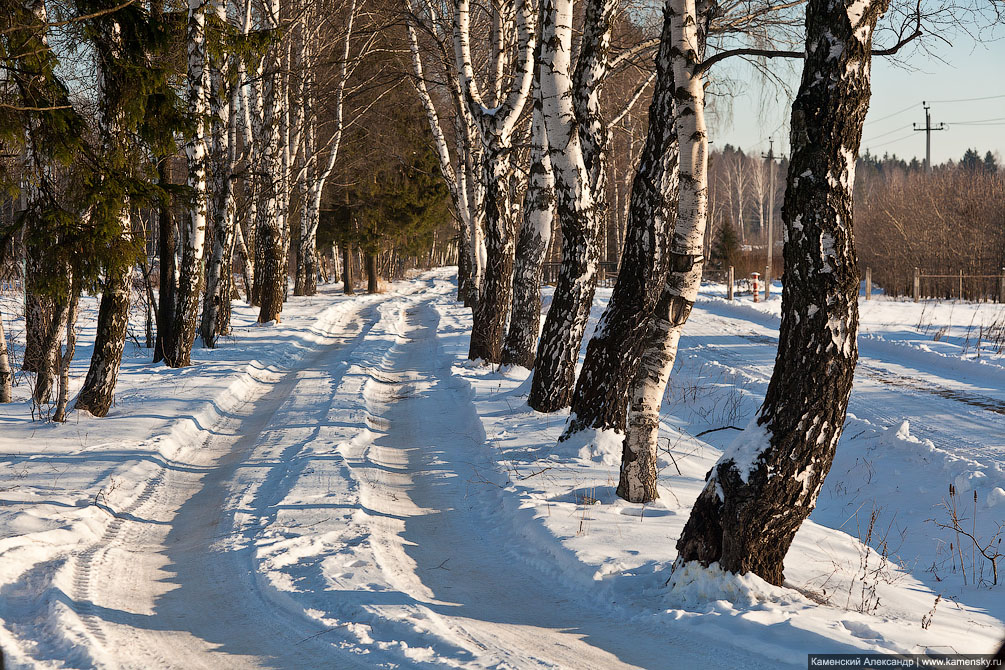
{"x":729,"y":283}
{"x":868,"y":283}
{"x":917,"y":284}
{"x":767,"y":282}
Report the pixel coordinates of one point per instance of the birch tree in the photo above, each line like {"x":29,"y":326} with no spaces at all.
{"x":496,"y":124}
{"x":766,"y":483}
{"x":270,"y":228}
{"x":520,"y":345}
{"x":316,"y":174}
{"x":688,"y":29}
{"x":577,"y":140}
{"x":178,"y":350}
{"x":600,"y":400}
{"x":96,"y":394}
{"x":224,"y":101}
{"x":6,"y":375}
{"x":458,"y":167}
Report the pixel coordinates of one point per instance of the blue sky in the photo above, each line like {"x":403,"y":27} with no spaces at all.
{"x":966,"y":86}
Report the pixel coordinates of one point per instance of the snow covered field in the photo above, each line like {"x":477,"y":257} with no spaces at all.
{"x":346,"y":489}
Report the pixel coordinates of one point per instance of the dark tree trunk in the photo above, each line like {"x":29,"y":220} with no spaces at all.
{"x":272,"y":272}
{"x":168,"y":273}
{"x":496,"y":294}
{"x":97,"y":393}
{"x":602,"y":391}
{"x":371,"y":273}
{"x":744,"y":518}
{"x":38,"y":313}
{"x":347,"y":272}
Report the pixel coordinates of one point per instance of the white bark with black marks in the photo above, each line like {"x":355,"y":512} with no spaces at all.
{"x":219,"y":275}
{"x":59,"y":414}
{"x":6,"y":374}
{"x":602,"y":392}
{"x":575,"y":199}
{"x":520,"y":346}
{"x":178,"y":352}
{"x":495,"y":125}
{"x":271,"y":226}
{"x":766,"y":484}
{"x":637,"y":482}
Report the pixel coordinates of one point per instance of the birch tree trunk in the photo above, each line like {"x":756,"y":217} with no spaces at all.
{"x":97,"y":393}
{"x":59,"y":415}
{"x":38,"y":311}
{"x":637,"y":481}
{"x":601,"y":397}
{"x":495,"y":125}
{"x":766,"y":484}
{"x":577,"y":136}
{"x":459,"y":186}
{"x":248,"y":273}
{"x":113,"y":312}
{"x":270,"y":231}
{"x":520,"y":346}
{"x":179,"y":350}
{"x":6,"y":375}
{"x":48,"y":358}
{"x":317,"y":176}
{"x":219,"y":273}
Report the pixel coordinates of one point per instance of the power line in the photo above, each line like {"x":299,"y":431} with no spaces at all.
{"x":890,"y":116}
{"x":889,"y":132}
{"x":914,"y":104}
{"x":987,"y":97}
{"x":974,"y":122}
{"x":883,"y":144}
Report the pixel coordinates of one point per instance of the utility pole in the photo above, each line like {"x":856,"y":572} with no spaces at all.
{"x":771,"y":213}
{"x":928,"y":134}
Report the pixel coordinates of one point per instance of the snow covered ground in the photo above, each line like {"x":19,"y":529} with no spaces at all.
{"x":346,"y":489}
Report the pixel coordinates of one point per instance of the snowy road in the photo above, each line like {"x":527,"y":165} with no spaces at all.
{"x":172,"y":582}
{"x":164,"y":586}
{"x":368,"y":498}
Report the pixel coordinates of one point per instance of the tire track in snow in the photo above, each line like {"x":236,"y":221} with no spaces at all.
{"x":431,"y":491}
{"x":123,"y":586}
